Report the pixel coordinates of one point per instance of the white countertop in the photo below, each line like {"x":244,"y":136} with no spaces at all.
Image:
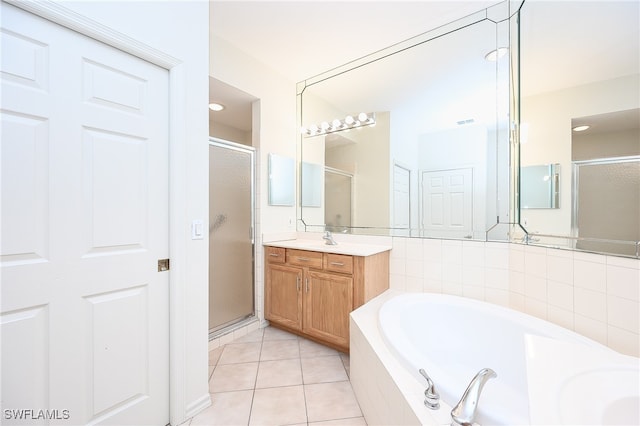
{"x":353,"y":249}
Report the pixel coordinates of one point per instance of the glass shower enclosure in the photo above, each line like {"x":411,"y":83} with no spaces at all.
{"x":231,"y":234}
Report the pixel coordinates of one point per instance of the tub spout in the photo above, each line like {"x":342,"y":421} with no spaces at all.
{"x":431,"y":396}
{"x":464,"y":413}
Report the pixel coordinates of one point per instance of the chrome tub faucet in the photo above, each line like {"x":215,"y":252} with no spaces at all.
{"x":431,"y":396}
{"x":464,"y":413}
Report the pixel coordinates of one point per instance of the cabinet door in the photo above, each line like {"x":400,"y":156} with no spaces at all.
{"x":283,"y":302}
{"x":328,"y":300}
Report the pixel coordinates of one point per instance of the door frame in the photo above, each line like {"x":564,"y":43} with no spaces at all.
{"x":177,"y":132}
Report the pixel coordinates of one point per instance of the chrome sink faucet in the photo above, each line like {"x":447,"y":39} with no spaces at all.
{"x":328,"y":238}
{"x":464,"y":413}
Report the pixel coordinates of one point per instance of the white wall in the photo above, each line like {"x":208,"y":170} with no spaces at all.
{"x":179,"y":29}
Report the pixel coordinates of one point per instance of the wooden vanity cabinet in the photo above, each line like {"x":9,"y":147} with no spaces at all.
{"x":312,"y":293}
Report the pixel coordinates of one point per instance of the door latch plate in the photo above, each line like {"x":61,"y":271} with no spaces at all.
{"x":163,"y":265}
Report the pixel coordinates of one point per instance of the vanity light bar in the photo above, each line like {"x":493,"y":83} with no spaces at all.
{"x":337,"y":125}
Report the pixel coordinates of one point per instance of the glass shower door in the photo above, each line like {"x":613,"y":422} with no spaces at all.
{"x":231,"y":225}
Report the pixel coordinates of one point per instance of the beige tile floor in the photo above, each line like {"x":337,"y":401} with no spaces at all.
{"x":271,"y":377}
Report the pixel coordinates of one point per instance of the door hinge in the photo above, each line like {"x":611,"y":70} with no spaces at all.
{"x":163,"y":265}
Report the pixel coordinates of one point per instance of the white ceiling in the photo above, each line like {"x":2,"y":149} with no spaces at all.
{"x":301,"y":39}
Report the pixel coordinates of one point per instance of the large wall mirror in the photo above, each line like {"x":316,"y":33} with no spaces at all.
{"x":580,"y":108}
{"x":413,"y":140}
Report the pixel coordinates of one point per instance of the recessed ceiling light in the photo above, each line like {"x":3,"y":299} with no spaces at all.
{"x":216,"y":107}
{"x":580,"y":128}
{"x":494,"y":55}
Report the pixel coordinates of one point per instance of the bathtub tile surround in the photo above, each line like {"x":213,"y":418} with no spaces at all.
{"x":595,"y":295}
{"x":268,"y":377}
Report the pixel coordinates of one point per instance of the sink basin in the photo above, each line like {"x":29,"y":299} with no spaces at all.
{"x":573,"y":384}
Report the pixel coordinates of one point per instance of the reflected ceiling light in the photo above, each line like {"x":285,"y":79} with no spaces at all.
{"x":216,"y":106}
{"x":337,"y":125}
{"x":580,"y":128}
{"x":496,"y":54}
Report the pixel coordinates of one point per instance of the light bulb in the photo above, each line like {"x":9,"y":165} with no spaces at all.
{"x":349,"y":120}
{"x":324,"y":126}
{"x":313,"y":128}
{"x":336,"y":123}
{"x":362,"y":116}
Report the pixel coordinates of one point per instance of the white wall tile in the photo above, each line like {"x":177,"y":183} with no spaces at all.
{"x":535,"y":307}
{"x":452,"y":273}
{"x":414,"y":249}
{"x":590,"y":304}
{"x":535,"y":287}
{"x":496,"y":296}
{"x":589,"y":257}
{"x":432,"y":286}
{"x":559,"y":316}
{"x":560,"y":295}
{"x":624,"y":262}
{"x":473,"y":292}
{"x":452,"y":252}
{"x":473,"y":276}
{"x":623,"y":282}
{"x":397,"y":266}
{"x":415,"y":284}
{"x":623,"y":313}
{"x":497,"y":255}
{"x":535,"y":263}
{"x":473,"y":253}
{"x":560,"y":269}
{"x":496,"y":278}
{"x":516,"y":257}
{"x":432,"y":250}
{"x":398,"y":282}
{"x":516,"y":301}
{"x":399,"y":248}
{"x":623,"y":341}
{"x":433,"y":270}
{"x":590,"y":328}
{"x":414,"y":268}
{"x":590,"y":275}
{"x":516,"y":282}
{"x":454,"y":289}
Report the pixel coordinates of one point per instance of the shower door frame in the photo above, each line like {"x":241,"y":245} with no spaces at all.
{"x":575,"y":186}
{"x":225,"y":144}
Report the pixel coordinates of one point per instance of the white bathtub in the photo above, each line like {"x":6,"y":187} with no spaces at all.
{"x":453,"y":338}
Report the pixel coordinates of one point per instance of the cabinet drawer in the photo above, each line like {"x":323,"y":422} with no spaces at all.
{"x":338,"y":263}
{"x":311,"y":259}
{"x":275,"y":254}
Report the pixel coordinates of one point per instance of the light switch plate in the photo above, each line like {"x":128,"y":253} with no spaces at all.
{"x":197,"y":230}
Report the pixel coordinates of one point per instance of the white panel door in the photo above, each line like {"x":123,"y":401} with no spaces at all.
{"x":447,"y":203}
{"x":401,"y":197}
{"x":84,"y":151}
